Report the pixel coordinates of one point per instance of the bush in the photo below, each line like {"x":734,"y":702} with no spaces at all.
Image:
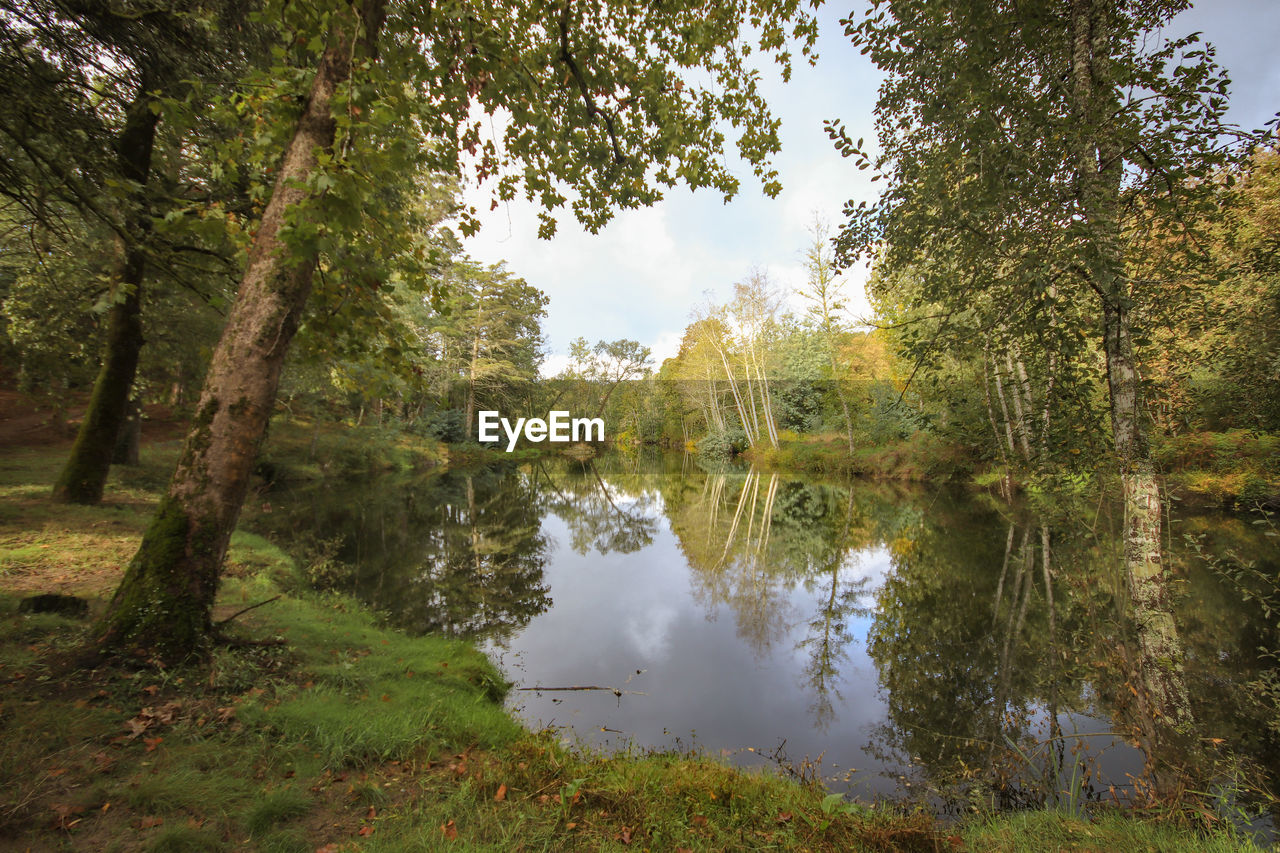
{"x":723,"y":444}
{"x":447,"y":425}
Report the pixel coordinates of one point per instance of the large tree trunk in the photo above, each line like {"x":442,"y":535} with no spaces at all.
{"x":85,"y":473}
{"x":164,"y":603}
{"x":1100,"y":168}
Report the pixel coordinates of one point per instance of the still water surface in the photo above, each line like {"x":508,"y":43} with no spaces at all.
{"x":905,"y":641}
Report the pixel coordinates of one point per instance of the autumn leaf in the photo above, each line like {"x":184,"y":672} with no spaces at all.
{"x":784,"y":817}
{"x":371,"y":814}
{"x":450,"y":831}
{"x":501,"y":795}
{"x":148,"y":822}
{"x":63,"y":812}
{"x":625,"y":835}
{"x":365,"y":831}
{"x":152,"y":743}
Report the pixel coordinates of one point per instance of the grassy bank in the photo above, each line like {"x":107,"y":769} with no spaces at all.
{"x":301,"y":449}
{"x":915,"y":458}
{"x":322,"y":730}
{"x":1235,"y":469}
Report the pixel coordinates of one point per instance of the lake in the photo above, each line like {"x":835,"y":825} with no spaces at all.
{"x":893,"y":641}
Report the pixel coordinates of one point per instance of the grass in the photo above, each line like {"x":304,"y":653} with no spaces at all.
{"x":915,"y":458}
{"x":1237,"y":468}
{"x":304,"y":449}
{"x":333,"y":732}
{"x":1048,"y":831}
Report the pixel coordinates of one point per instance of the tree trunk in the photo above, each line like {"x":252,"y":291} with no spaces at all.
{"x":1100,"y":168}
{"x":164,"y":603}
{"x":470,"y":416}
{"x":128,"y":441}
{"x":85,"y":474}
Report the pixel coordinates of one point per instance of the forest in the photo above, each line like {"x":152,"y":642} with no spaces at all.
{"x":232,"y":260}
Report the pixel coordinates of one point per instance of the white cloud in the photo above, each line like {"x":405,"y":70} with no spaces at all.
{"x":643,"y":274}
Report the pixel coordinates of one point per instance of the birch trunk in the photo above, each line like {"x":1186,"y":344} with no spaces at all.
{"x":1100,"y":167}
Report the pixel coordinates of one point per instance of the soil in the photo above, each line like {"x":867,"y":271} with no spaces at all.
{"x":26,"y":421}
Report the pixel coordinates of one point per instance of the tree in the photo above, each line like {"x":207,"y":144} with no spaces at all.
{"x":597,"y":100}
{"x":490,"y":334}
{"x":1029,"y":148}
{"x":91,"y":82}
{"x":607,"y":365}
{"x":824,"y":293}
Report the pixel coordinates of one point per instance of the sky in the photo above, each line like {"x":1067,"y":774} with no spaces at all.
{"x":643,"y":274}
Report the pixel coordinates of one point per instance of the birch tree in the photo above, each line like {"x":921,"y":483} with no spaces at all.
{"x":1026,"y":147}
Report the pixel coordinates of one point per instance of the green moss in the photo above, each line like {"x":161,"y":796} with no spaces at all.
{"x":162,"y":605}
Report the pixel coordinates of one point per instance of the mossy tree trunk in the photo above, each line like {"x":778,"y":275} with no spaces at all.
{"x":85,"y":473}
{"x":164,"y":603}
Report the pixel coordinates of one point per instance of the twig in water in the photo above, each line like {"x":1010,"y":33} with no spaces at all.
{"x":615,"y":691}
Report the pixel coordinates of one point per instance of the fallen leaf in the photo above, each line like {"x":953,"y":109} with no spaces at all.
{"x":625,"y":836}
{"x":450,"y":831}
{"x":365,"y":831}
{"x":148,"y":822}
{"x":501,"y":795}
{"x":571,"y":825}
{"x":62,"y":814}
{"x":699,"y":820}
{"x":328,"y":848}
{"x":151,"y":689}
{"x":784,"y":817}
{"x":152,"y":743}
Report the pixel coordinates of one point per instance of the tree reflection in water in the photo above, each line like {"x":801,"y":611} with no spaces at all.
{"x":999,"y":641}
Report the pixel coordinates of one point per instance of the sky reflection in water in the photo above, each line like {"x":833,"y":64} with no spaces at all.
{"x":904,"y":634}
